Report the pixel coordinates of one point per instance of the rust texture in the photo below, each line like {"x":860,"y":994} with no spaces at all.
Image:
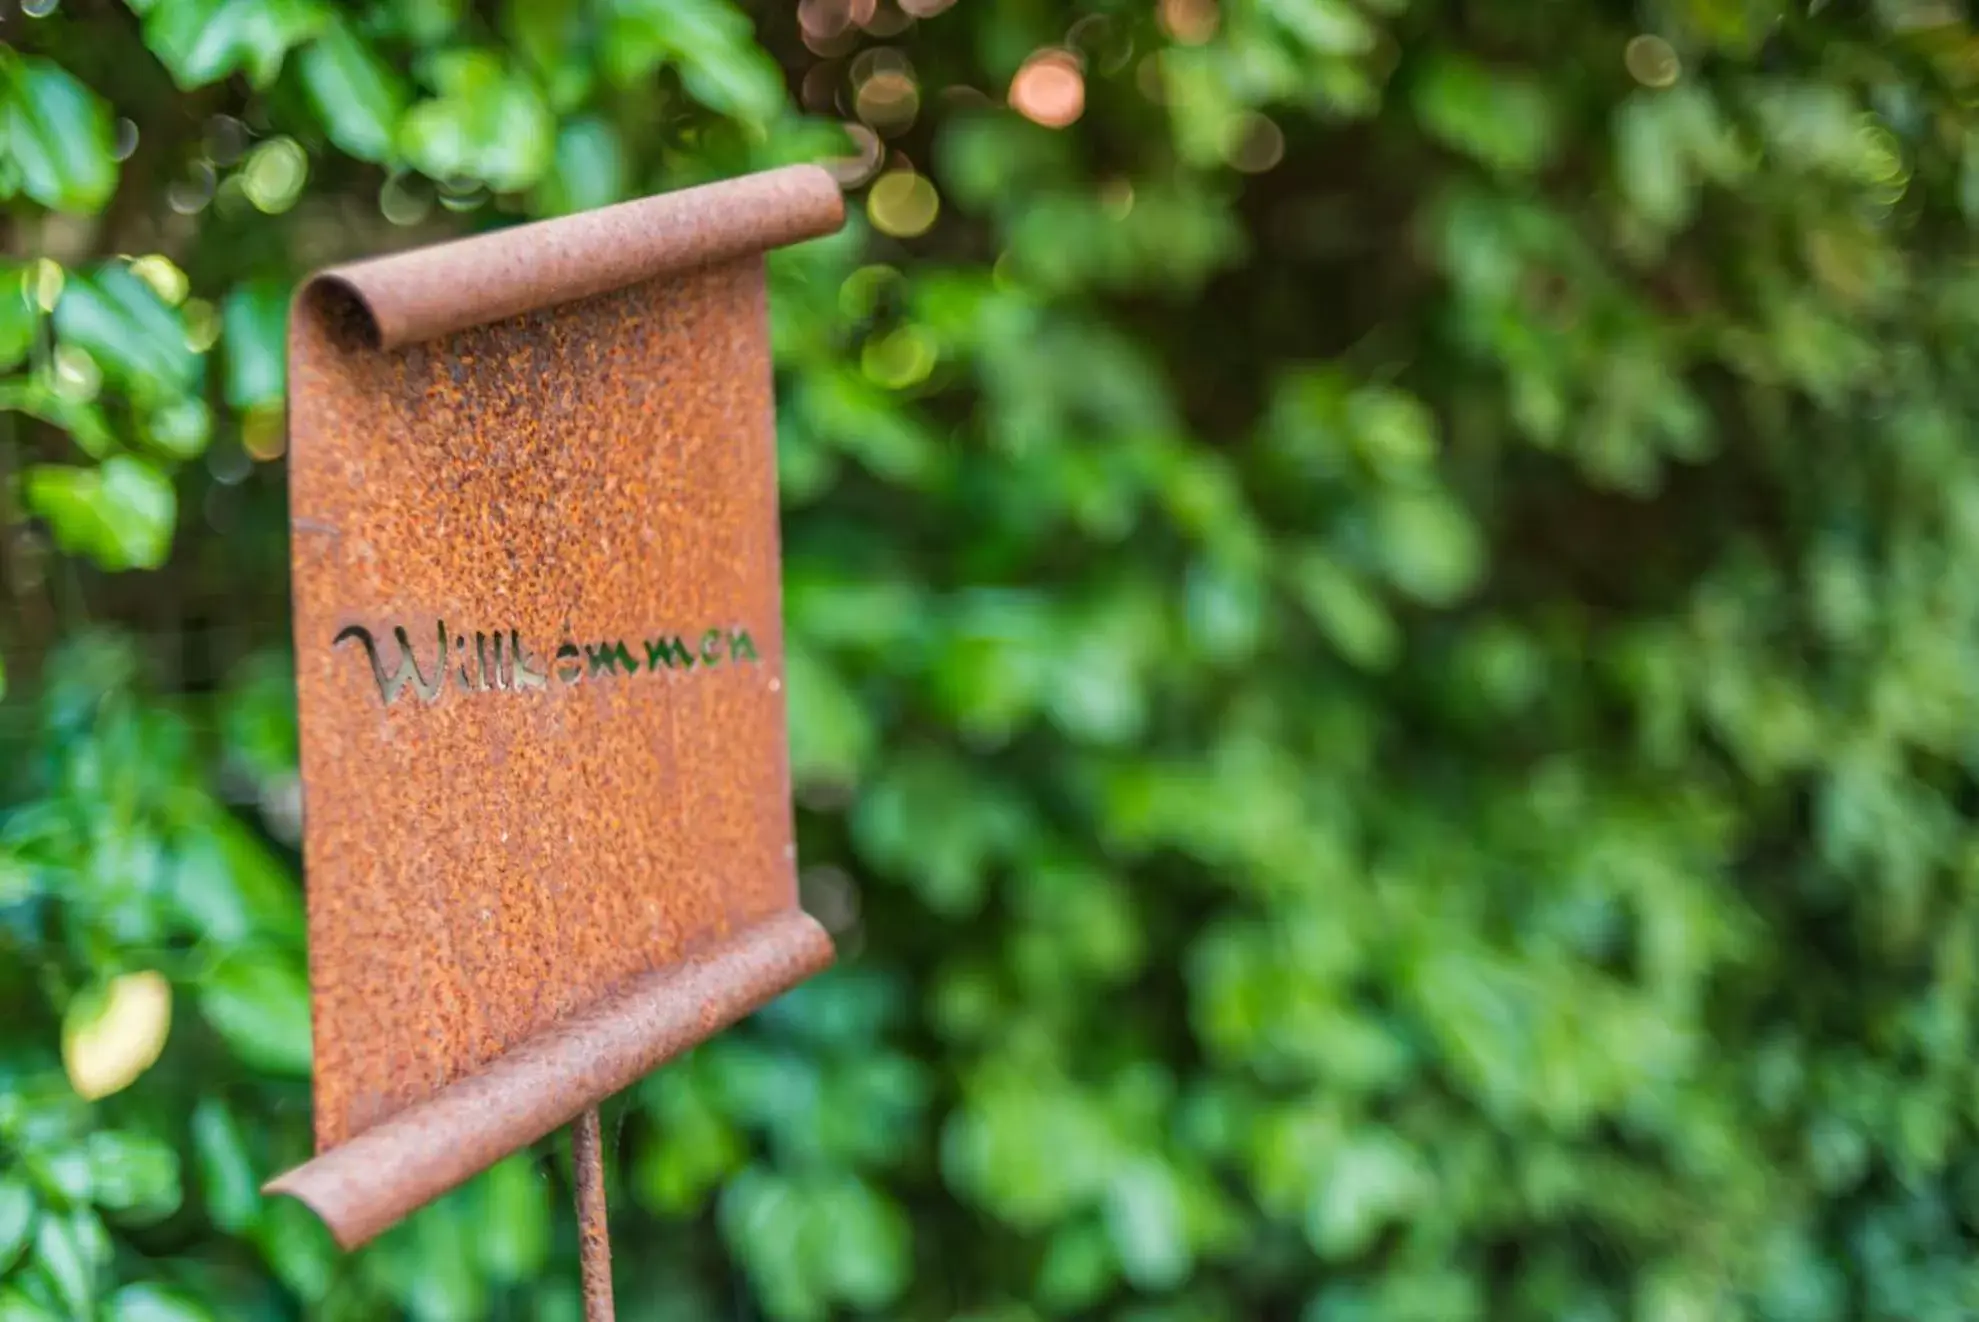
{"x":594,"y":1248}
{"x":430,"y":292}
{"x":363,"y":1186}
{"x":539,"y":656}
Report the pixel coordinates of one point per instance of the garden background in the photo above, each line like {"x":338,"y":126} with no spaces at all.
{"x":1383,"y":601}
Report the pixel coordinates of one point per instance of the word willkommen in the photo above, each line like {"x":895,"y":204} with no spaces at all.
{"x":498,"y":663}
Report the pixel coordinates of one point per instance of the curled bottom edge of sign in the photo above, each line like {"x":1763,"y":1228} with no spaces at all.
{"x":363,"y":1187}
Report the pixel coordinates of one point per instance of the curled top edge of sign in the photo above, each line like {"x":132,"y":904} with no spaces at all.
{"x":437,"y":290}
{"x":368,"y":1183}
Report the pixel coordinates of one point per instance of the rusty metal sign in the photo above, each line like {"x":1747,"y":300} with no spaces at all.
{"x":539,"y":654}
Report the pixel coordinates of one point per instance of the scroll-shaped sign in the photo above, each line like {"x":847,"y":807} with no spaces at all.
{"x":539,"y":656}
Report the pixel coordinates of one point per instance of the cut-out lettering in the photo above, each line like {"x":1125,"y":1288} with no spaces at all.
{"x":493,"y":663}
{"x":407,"y":674}
{"x":605,"y":656}
{"x":526,"y":674}
{"x":668,"y":652}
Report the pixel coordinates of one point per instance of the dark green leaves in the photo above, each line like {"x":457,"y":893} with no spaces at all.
{"x":260,"y":1006}
{"x":225,"y":1166}
{"x":203,"y":41}
{"x":144,"y":1302}
{"x":486,"y":123}
{"x":121,"y":513}
{"x":589,"y":169}
{"x":709,"y":41}
{"x":357,"y":95}
{"x":16,"y":1220}
{"x":137,"y":340}
{"x":254,"y":337}
{"x":1502,"y":118}
{"x":19,"y":315}
{"x":69,"y":1249}
{"x":55,"y":134}
{"x":133,"y":1173}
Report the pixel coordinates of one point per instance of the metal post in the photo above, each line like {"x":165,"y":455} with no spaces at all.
{"x":587,"y":1152}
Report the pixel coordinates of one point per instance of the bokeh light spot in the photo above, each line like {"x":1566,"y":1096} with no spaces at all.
{"x":274,"y":175}
{"x":1652,"y":61}
{"x":903,"y":204}
{"x":899,"y":359}
{"x":405,"y":199}
{"x":1050,"y":89}
{"x":264,"y":435}
{"x":1190,"y":22}
{"x":1254,"y":144}
{"x":859,"y":295}
{"x":163,"y":275}
{"x":855,"y":171}
{"x":202,"y":325}
{"x":825,"y":22}
{"x":888,"y":101}
{"x":190,"y":195}
{"x":49,"y":277}
{"x":77,"y":376}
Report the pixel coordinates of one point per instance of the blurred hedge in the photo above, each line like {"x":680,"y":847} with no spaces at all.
{"x":1382,"y":654}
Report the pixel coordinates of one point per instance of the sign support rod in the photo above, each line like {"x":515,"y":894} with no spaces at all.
{"x":587,"y":1153}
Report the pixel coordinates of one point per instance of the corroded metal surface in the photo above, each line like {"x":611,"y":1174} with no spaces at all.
{"x":594,"y":1247}
{"x":430,"y":292}
{"x":363,"y":1186}
{"x":539,"y":657}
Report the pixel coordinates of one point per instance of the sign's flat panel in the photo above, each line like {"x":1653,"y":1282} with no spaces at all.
{"x":539,"y":654}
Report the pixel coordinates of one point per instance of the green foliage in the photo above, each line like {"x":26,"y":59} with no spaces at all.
{"x":1382,"y":671}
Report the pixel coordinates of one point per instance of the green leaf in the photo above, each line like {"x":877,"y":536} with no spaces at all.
{"x":589,"y":170}
{"x":120,"y":514}
{"x":17,"y":1307}
{"x":515,"y":1228}
{"x":16,"y":1220}
{"x":133,"y":1172}
{"x":488,"y":123}
{"x":1330,"y":27}
{"x":831,"y":734}
{"x":260,"y":1005}
{"x":1145,"y":1221}
{"x":1374,"y":1179}
{"x":551,"y":34}
{"x":1351,"y":616}
{"x":226,"y":1171}
{"x":298,"y":1246}
{"x":203,"y":41}
{"x":1429,"y":546}
{"x":1650,"y":165}
{"x":84,"y":422}
{"x":19,"y":317}
{"x":57,"y":135}
{"x":135,"y":337}
{"x":1496,"y":116}
{"x":62,"y":1248}
{"x":179,"y":428}
{"x":709,"y":41}
{"x":254,"y":330}
{"x":225,"y":885}
{"x":358,"y":96}
{"x":144,"y":1302}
